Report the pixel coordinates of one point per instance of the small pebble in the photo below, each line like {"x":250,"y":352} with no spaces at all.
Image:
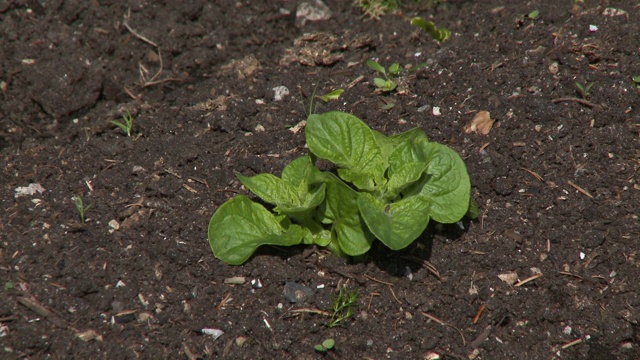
{"x":295,"y":293}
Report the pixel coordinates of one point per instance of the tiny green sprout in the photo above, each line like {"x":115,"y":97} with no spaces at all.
{"x":334,"y":95}
{"x":533,"y":15}
{"x":127,"y":125}
{"x":386,"y":84}
{"x":77,"y":200}
{"x":387,"y":104}
{"x":636,"y":81}
{"x":9,"y":285}
{"x":342,"y":306}
{"x":325,"y":346}
{"x":438,"y":34}
{"x":585,"y":91}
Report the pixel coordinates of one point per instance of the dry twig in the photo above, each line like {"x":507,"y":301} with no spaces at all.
{"x":464,"y":342}
{"x":583,"y":191}
{"x":520,"y":283}
{"x":36,"y":307}
{"x":570,"y":99}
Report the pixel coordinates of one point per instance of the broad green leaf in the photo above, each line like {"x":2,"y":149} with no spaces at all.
{"x":341,"y":210}
{"x":412,"y":150}
{"x":389,"y":144}
{"x":240,"y":226}
{"x":396,"y":224}
{"x":408,"y":162}
{"x":270,"y":188}
{"x":447,"y":187}
{"x":349,"y":143}
{"x":291,"y":194}
{"x":298,"y":171}
{"x":377,"y":67}
{"x":352,"y":235}
{"x":403,"y":177}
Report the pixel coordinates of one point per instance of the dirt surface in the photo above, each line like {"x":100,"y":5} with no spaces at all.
{"x":549,"y":270}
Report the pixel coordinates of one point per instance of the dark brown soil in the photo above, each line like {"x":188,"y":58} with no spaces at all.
{"x":557,"y":181}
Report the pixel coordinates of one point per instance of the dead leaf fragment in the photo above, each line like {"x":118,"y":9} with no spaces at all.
{"x":481,"y":123}
{"x":509,"y":278}
{"x":89,"y":335}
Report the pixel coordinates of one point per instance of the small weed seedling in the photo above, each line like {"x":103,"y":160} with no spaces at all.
{"x":533,"y":15}
{"x":386,"y":84}
{"x":127,"y":125}
{"x":334,"y":95}
{"x":77,"y":200}
{"x":325,"y":346}
{"x":585,"y":91}
{"x":636,"y":81}
{"x":438,"y":34}
{"x":342,"y":306}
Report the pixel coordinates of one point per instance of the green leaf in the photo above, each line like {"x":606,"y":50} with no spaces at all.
{"x":438,"y":34}
{"x":240,"y":226}
{"x":270,"y":188}
{"x":381,"y":83}
{"x":291,"y":194}
{"x":389,"y":144}
{"x":395,"y":224}
{"x":334,"y":95}
{"x":329,"y":343}
{"x":402,"y":177}
{"x":447,"y":185}
{"x":394,"y":69}
{"x":341,"y":210}
{"x":377,"y":67}
{"x":387,"y":106}
{"x":349,"y":143}
{"x":533,"y":15}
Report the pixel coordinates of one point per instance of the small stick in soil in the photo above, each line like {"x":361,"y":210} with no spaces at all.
{"x":378,"y":281}
{"x":520,"y":283}
{"x":227,"y":299}
{"x":393,"y":293}
{"x":484,"y":335}
{"x":583,"y":191}
{"x":569,"y":344}
{"x":371,"y":295}
{"x":570,"y":99}
{"x":475,"y":319}
{"x":570,"y":274}
{"x":135,"y":33}
{"x":534,"y":174}
{"x":311,"y":311}
{"x":36,"y":307}
{"x":464,"y":342}
{"x":429,"y":266}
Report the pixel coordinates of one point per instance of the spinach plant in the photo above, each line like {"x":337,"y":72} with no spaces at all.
{"x":384,"y":187}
